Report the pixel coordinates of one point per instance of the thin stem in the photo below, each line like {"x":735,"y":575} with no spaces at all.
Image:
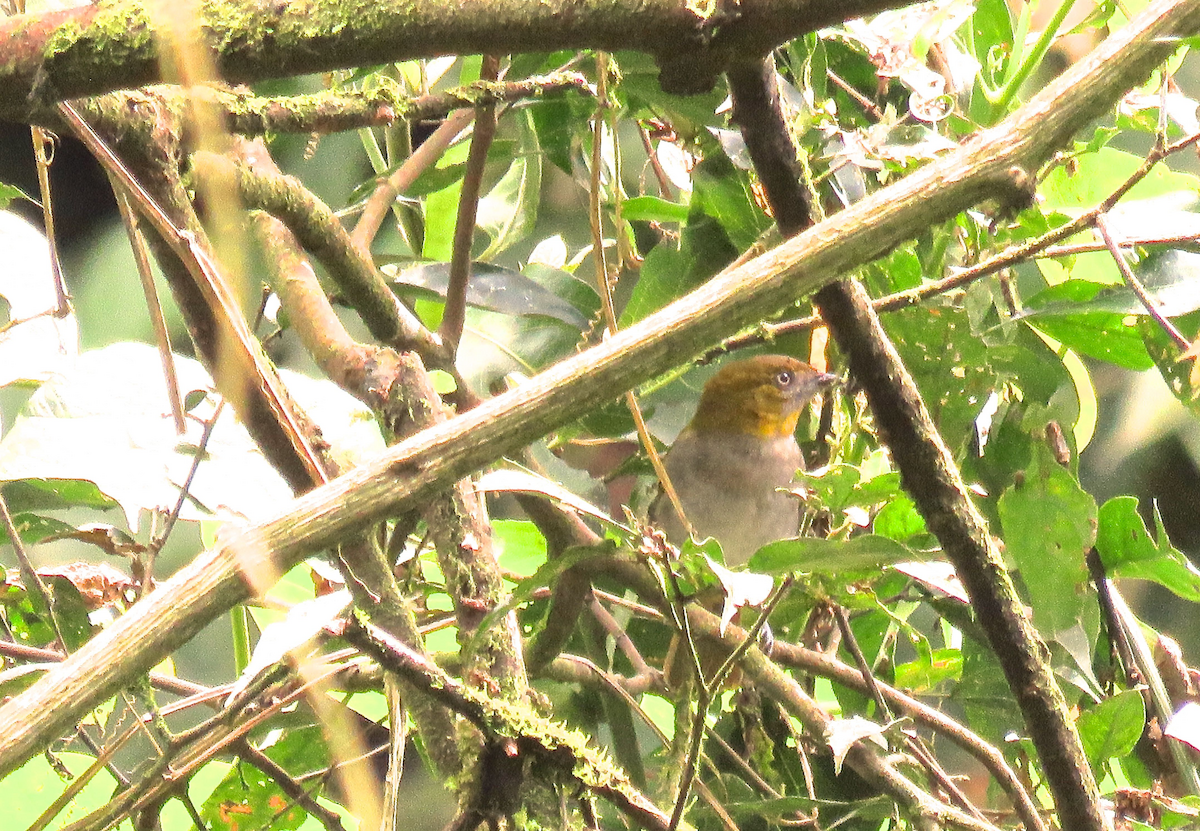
{"x":388,"y":189}
{"x":455,"y":307}
{"x":43,"y":153}
{"x":1135,"y":285}
{"x":1032,"y":60}
{"x":32,"y":579}
{"x":158,"y":322}
{"x":869,"y":106}
{"x":605,"y":287}
{"x":691,"y":763}
{"x":660,"y":175}
{"x":752,"y":636}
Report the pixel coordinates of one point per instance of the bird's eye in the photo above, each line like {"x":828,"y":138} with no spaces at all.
{"x":783,"y":378}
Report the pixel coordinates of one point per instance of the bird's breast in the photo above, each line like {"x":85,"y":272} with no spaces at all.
{"x":728,"y":484}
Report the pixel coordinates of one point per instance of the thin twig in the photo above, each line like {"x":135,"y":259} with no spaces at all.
{"x":167,"y":683}
{"x":1135,"y":285}
{"x":866,"y":103}
{"x":42,"y":140}
{"x":750,"y":774}
{"x":184,"y":494}
{"x":660,"y":175}
{"x":296,"y":792}
{"x":620,"y":637}
{"x":158,"y":322}
{"x":752,"y":636}
{"x":1073,"y":249}
{"x":931,"y":764}
{"x":388,"y":189}
{"x":455,"y":308}
{"x":695,"y":744}
{"x":864,"y":666}
{"x":604,"y":287}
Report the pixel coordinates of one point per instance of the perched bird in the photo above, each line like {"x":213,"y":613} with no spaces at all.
{"x":738,"y":450}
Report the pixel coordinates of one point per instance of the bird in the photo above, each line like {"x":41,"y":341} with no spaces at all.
{"x":731,"y":460}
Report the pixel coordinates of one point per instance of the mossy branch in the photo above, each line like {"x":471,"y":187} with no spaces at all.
{"x":115,"y":45}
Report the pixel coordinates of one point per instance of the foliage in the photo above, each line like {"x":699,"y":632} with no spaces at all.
{"x":1004,"y":359}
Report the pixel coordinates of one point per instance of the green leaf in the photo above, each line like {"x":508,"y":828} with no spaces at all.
{"x":1173,"y":215}
{"x":33,"y":528}
{"x":985,"y":696}
{"x":522,"y":548}
{"x":25,"y":617}
{"x":1169,"y":276}
{"x":32,"y":788}
{"x":899,"y":270}
{"x":1127,"y":549}
{"x":1092,"y":177}
{"x":302,"y":623}
{"x":10,"y":192}
{"x":441,"y":210}
{"x":556,"y":121}
{"x":860,"y":553}
{"x":247,"y":797}
{"x":663,"y":278}
{"x":899,"y":520}
{"x":723,"y":192}
{"x":1104,"y":336}
{"x":1165,"y":352}
{"x":495,"y":345}
{"x":496,"y":289}
{"x":70,"y":612}
{"x":928,"y":672}
{"x":949,"y":362}
{"x":1112,"y":728}
{"x":653,"y":209}
{"x":53,"y":494}
{"x":1049,"y":525}
{"x":833,"y":486}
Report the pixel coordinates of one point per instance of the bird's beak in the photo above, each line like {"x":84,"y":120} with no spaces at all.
{"x":827,"y":379}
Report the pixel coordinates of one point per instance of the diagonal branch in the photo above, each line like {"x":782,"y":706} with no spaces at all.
{"x":232,"y":355}
{"x":931,"y":475}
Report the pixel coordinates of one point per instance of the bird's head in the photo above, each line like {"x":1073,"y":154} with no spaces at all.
{"x":760,"y":396}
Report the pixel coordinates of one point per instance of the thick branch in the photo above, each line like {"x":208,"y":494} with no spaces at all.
{"x":113,"y":45}
{"x":930,"y":475}
{"x":433,"y":459}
